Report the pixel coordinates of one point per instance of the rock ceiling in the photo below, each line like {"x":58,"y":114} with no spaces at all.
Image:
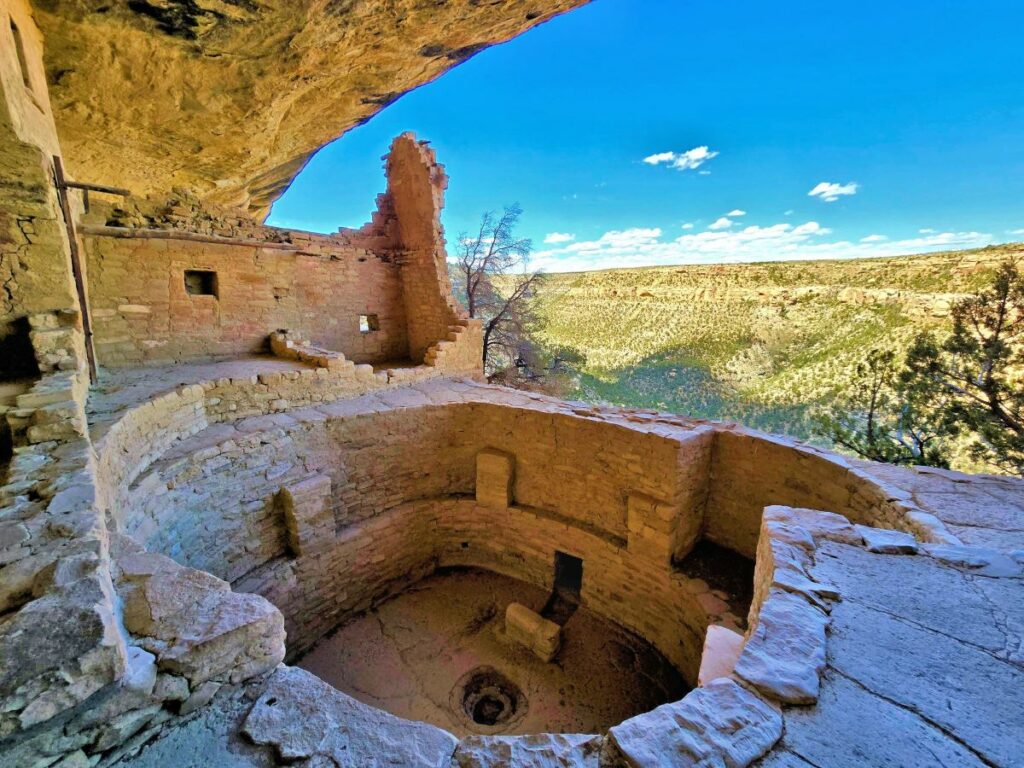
{"x":230,"y":98}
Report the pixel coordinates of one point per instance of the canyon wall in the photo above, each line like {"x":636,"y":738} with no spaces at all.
{"x":231,"y":99}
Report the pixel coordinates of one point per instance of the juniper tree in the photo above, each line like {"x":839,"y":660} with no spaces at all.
{"x":969,"y":382}
{"x":884,"y":419}
{"x":979,"y":367}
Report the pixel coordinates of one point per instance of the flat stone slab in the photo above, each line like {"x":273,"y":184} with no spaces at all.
{"x":972,"y":696}
{"x":886,"y":542}
{"x":719,"y":725}
{"x":302,"y":717}
{"x":923,"y":667}
{"x":541,"y":750}
{"x":852,"y":728}
{"x":933,"y":596}
{"x":785,"y":653}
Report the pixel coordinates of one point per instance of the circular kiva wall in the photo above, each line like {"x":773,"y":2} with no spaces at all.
{"x":326,"y":510}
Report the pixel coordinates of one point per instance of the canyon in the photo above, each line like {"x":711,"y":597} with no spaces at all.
{"x":232,"y":454}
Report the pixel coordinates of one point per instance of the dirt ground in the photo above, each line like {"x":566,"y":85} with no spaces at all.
{"x":407,"y":657}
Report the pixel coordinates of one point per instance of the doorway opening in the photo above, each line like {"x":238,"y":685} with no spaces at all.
{"x":565,"y":595}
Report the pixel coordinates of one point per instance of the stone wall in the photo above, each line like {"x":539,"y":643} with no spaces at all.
{"x":750,"y":473}
{"x":395,"y":475}
{"x":189,"y":502}
{"x":416,"y":185}
{"x":377,"y":294}
{"x":35,"y":272}
{"x":319,"y":288}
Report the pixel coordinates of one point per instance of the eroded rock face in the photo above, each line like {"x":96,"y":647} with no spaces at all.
{"x":230,"y":98}
{"x":198,"y":628}
{"x":303,"y":717}
{"x":539,"y":750}
{"x":722,"y":724}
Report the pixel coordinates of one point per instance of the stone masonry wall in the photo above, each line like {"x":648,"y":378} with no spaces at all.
{"x":386,"y":515}
{"x":324,"y":533}
{"x":393,"y":271}
{"x":750,"y":473}
{"x":35,"y":271}
{"x":416,"y":185}
{"x":210,"y":501}
{"x":583,"y":481}
{"x":143,"y":314}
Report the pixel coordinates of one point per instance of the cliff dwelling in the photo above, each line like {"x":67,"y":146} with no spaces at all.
{"x":260,"y":507}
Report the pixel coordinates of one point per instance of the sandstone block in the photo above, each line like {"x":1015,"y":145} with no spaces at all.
{"x":307,"y":513}
{"x":719,"y":725}
{"x":197,"y":627}
{"x":530,"y":629}
{"x":303,"y":717}
{"x":649,"y":527}
{"x":784,"y":655}
{"x":886,"y":542}
{"x":494,"y":477}
{"x":539,"y":750}
{"x":722,"y":647}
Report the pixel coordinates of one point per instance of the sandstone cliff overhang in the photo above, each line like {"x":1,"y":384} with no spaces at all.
{"x":230,"y":98}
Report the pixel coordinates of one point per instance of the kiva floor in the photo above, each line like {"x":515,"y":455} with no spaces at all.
{"x":407,"y":656}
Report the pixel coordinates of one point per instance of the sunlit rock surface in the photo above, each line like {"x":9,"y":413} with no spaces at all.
{"x":230,"y":98}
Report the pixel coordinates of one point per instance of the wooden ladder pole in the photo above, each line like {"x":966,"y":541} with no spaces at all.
{"x":76,"y":264}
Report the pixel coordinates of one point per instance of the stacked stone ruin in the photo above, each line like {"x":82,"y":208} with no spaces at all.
{"x":287,"y":428}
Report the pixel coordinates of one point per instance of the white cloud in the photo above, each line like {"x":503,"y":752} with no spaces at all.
{"x":874,"y":239}
{"x":553,"y":238}
{"x":722,"y":223}
{"x":637,"y":237}
{"x":810,"y":228}
{"x":661,"y":157}
{"x":688,"y":225}
{"x":830,"y":191}
{"x":790,"y":212}
{"x":703,"y":173}
{"x":639,"y":247}
{"x":926,"y":231}
{"x":736,"y":212}
{"x":689,"y":160}
{"x":1015,"y":232}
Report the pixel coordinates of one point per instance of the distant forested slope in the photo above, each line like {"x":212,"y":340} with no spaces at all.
{"x":763,"y":344}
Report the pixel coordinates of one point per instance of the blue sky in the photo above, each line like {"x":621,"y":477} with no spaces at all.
{"x":695,"y":131}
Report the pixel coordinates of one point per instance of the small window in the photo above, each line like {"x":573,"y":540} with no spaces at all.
{"x":19,"y":47}
{"x":368,"y":323}
{"x":200,"y":282}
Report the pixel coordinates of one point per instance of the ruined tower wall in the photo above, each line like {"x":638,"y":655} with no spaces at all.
{"x":416,"y":185}
{"x":377,"y":294}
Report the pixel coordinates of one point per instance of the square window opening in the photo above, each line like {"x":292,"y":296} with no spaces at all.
{"x":368,"y":323}
{"x":201,"y":282}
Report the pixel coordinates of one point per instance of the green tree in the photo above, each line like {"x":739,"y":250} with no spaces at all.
{"x":888,"y":419}
{"x":970,"y":382}
{"x":979,"y":367}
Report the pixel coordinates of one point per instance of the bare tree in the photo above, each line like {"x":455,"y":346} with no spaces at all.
{"x":495,"y":282}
